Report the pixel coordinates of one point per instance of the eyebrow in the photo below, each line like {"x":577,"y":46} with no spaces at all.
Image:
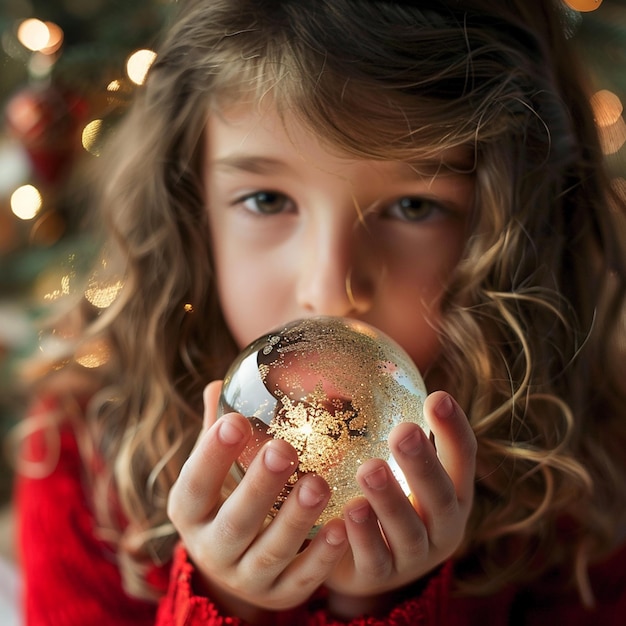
{"x":256,"y":164}
{"x":251,"y":163}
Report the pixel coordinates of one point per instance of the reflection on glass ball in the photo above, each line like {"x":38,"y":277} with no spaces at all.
{"x":331,"y":387}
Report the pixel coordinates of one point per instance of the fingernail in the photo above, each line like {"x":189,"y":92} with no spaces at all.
{"x":376,"y":479}
{"x":276,"y":461}
{"x":228,"y":433}
{"x":334,"y":537}
{"x":309,"y":496}
{"x":360,"y":514}
{"x":412,"y":444}
{"x":445,"y":407}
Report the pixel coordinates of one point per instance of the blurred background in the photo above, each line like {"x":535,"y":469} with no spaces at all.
{"x":68,"y":69}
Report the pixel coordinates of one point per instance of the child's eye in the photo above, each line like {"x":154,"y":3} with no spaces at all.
{"x":414,"y":209}
{"x":267,"y":202}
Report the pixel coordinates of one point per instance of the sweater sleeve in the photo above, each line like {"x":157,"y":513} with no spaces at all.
{"x":70,"y":577}
{"x":182,"y":607}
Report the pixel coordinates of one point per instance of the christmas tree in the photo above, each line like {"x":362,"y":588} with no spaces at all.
{"x":65,"y":77}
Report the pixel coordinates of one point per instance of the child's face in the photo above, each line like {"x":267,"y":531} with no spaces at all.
{"x":300,"y":230}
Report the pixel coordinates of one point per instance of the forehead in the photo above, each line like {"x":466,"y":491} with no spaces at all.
{"x":257,"y":138}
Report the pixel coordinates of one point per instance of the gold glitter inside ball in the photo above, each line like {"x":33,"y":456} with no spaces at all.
{"x":333,"y":388}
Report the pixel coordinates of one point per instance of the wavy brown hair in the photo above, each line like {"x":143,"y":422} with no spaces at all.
{"x":532,"y":333}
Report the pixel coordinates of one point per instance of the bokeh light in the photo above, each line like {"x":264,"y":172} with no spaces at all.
{"x":26,"y":202}
{"x":38,"y":36}
{"x":138,"y":64}
{"x":102,"y":294}
{"x":607,"y":107}
{"x":93,"y":353}
{"x":91,"y":137}
{"x":33,"y":34}
{"x":583,"y":5}
{"x":607,"y":111}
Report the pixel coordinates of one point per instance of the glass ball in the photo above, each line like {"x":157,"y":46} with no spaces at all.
{"x":333,"y":388}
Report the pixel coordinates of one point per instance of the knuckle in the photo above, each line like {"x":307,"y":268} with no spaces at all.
{"x":309,"y":581}
{"x":267,"y":560}
{"x":227,"y":530}
{"x":417,"y":547}
{"x":377,"y":569}
{"x":261,"y":488}
{"x":428,"y":468}
{"x":448,"y":502}
{"x":296,"y":525}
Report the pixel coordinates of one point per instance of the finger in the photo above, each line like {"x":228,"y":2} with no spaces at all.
{"x":244,"y":513}
{"x":211,"y":395}
{"x":404,"y":530}
{"x":369,"y":548}
{"x":282,"y":539}
{"x":441,"y":482}
{"x":299,"y":512}
{"x":197,"y":491}
{"x":313,"y":565}
{"x":455,"y":442}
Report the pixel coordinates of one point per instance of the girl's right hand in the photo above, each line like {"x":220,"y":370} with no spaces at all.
{"x":246,"y":565}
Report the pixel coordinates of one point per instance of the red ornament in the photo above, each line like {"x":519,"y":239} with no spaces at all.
{"x":47,"y":121}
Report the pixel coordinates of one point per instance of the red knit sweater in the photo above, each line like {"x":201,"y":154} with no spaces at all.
{"x":71,"y":577}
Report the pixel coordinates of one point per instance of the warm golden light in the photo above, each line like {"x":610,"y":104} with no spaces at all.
{"x":138,"y":64}
{"x":90,"y":136}
{"x":95,"y":353}
{"x":55,"y":38}
{"x":103,"y":294}
{"x":59,"y":291}
{"x":33,"y":34}
{"x":607,"y":107}
{"x":26,"y":202}
{"x":39,"y":36}
{"x":607,"y":112}
{"x":613,"y":137}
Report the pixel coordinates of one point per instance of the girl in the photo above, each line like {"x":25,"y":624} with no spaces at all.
{"x":431,"y":168}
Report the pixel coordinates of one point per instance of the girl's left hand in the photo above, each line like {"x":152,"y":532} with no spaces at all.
{"x":247,"y":567}
{"x":395,"y":540}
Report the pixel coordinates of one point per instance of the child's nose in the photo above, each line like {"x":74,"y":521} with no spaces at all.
{"x":336,"y":277}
